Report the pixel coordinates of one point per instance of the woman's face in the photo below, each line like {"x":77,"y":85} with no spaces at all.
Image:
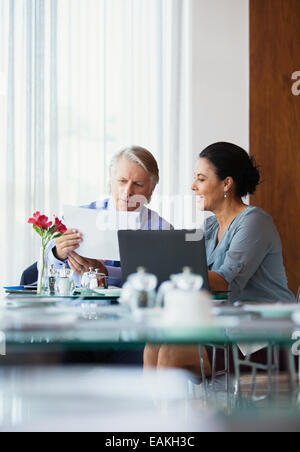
{"x":207,"y":186}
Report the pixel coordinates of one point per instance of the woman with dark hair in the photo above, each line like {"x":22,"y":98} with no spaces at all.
{"x":244,"y":250}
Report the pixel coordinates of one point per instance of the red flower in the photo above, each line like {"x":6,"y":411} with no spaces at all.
{"x":43,"y":222}
{"x":40,"y":221}
{"x":60,"y":227}
{"x":35,"y":218}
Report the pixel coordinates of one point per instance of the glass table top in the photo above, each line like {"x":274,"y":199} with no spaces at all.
{"x":95,"y":324}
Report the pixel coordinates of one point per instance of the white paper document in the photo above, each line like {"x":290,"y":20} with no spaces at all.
{"x":100,"y":230}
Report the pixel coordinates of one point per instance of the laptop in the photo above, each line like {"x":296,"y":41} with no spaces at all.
{"x":162,"y":253}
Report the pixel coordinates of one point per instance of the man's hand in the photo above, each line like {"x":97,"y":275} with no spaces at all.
{"x":80,"y":265}
{"x":67,"y":243}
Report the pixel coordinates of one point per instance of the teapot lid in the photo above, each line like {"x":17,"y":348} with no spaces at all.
{"x":143,"y":281}
{"x":187,"y":281}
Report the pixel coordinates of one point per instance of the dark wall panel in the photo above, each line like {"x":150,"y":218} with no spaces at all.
{"x":275,"y":119}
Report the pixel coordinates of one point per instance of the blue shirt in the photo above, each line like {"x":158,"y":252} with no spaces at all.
{"x":249,"y":257}
{"x":150,"y":220}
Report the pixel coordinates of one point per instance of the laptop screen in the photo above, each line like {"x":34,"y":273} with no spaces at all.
{"x":163,"y":253}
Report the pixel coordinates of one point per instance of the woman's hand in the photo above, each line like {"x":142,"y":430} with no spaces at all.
{"x":80,"y":265}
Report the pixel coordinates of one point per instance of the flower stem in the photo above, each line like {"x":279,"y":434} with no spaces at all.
{"x":40,"y":289}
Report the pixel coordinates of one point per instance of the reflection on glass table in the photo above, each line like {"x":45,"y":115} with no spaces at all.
{"x":124,"y":400}
{"x":95,"y":399}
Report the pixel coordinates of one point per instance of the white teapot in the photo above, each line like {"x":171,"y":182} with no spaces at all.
{"x":183,"y":301}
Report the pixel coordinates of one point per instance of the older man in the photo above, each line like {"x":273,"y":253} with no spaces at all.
{"x":134,"y":174}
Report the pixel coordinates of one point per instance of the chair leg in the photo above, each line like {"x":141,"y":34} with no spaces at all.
{"x":290,"y":359}
{"x":225,"y":372}
{"x":202,"y":366}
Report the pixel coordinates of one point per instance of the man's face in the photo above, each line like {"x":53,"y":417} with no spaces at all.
{"x":131,"y":186}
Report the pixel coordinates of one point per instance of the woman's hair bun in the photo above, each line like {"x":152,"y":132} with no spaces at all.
{"x":251,"y":177}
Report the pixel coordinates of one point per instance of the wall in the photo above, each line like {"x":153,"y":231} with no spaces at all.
{"x":275,"y":118}
{"x":221,"y":72}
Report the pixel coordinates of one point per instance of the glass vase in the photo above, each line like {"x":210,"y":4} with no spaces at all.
{"x":42,"y":288}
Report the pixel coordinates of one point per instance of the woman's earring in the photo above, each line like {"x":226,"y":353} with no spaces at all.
{"x":225,"y":195}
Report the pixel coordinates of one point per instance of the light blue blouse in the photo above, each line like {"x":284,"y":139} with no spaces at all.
{"x":249,"y":257}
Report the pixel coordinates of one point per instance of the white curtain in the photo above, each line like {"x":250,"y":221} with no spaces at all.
{"x":80,"y":79}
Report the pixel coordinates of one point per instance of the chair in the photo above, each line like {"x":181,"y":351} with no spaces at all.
{"x":209,"y":384}
{"x":271,"y":367}
{"x":30,"y":275}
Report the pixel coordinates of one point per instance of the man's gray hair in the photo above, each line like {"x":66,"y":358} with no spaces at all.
{"x":141,"y":157}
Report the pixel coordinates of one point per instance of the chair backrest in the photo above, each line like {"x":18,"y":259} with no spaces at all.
{"x":30,"y":275}
{"x":298,"y":296}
